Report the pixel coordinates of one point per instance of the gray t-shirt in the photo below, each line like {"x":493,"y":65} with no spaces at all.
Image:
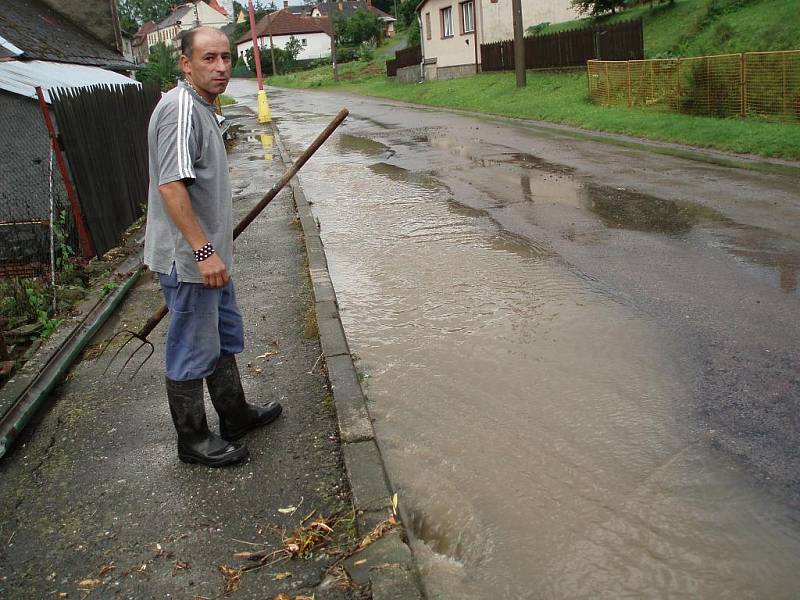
{"x":185,"y":144}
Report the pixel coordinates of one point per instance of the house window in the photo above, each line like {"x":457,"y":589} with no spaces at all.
{"x":467,"y":16}
{"x":427,"y":26}
{"x":447,"y":22}
{"x":304,"y":41}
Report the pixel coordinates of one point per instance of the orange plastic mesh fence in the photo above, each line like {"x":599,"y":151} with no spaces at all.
{"x":765,"y":84}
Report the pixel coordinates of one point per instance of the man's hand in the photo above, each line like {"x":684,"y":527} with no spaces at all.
{"x":213,"y":271}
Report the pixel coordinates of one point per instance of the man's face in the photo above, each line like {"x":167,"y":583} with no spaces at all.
{"x":209,"y":68}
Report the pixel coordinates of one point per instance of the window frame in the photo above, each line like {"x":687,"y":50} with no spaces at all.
{"x":448,"y":21}
{"x":462,"y":13}
{"x":427,"y":25}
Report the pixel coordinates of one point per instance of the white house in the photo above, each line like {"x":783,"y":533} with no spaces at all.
{"x":313,"y":33}
{"x":187,"y":16}
{"x":451,"y":32}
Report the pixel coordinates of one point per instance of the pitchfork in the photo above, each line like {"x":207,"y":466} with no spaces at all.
{"x":155,"y":319}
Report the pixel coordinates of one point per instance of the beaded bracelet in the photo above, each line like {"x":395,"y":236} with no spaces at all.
{"x":204,"y":252}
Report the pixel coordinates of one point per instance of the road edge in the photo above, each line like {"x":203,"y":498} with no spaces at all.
{"x":388,"y":564}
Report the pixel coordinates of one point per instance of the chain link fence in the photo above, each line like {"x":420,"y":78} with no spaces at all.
{"x":763,"y":84}
{"x":32,"y":192}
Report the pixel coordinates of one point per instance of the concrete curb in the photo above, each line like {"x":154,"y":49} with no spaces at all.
{"x":387,"y":564}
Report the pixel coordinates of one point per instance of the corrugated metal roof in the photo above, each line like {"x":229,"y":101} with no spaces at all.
{"x":43,"y":34}
{"x":22,"y":77}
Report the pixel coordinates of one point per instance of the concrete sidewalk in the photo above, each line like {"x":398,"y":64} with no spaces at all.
{"x":94,"y":501}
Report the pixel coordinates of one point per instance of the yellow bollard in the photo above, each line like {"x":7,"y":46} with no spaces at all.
{"x":264,"y":114}
{"x":266,"y":144}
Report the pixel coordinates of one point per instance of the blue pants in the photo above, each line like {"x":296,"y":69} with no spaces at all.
{"x":204,"y":323}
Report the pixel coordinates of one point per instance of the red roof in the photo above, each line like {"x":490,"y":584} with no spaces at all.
{"x":283,"y":22}
{"x":217,"y":7}
{"x":139,"y":36}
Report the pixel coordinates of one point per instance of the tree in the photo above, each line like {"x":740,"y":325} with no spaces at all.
{"x":597,"y":7}
{"x":285,"y":58}
{"x":140,"y":11}
{"x":362,"y":26}
{"x":407,"y":13}
{"x":161,"y":67}
{"x":413,"y":34}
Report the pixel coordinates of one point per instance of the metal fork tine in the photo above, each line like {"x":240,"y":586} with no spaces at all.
{"x":110,"y":343}
{"x":149,"y":354}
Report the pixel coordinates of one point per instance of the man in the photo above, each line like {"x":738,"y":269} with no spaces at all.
{"x":189,"y":243}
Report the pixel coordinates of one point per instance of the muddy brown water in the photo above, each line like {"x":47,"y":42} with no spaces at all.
{"x":533,"y":422}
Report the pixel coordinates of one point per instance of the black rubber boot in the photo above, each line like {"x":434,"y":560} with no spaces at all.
{"x":236,"y":415}
{"x":196,"y":444}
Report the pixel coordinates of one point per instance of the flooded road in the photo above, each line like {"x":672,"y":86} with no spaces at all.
{"x":581,"y":360}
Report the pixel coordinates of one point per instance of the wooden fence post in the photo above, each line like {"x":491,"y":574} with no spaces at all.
{"x":608,"y":86}
{"x":678,"y":99}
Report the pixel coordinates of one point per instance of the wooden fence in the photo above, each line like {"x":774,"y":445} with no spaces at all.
{"x":407,"y":57}
{"x":620,"y":41}
{"x":765,"y":84}
{"x":104,"y":133}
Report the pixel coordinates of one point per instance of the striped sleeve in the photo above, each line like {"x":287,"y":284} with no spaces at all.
{"x":177,"y":140}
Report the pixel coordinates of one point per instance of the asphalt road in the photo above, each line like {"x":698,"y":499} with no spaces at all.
{"x":706,"y":245}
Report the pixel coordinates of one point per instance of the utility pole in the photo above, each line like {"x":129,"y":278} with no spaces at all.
{"x":264,"y":113}
{"x":519,"y":43}
{"x":272,"y":45}
{"x":332,"y":24}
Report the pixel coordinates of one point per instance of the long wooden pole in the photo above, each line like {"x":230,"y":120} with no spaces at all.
{"x":519,"y":43}
{"x":160,"y":313}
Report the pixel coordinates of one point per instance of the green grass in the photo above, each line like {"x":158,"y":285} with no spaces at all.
{"x":562,"y":98}
{"x":226,"y":100}
{"x":698,"y":27}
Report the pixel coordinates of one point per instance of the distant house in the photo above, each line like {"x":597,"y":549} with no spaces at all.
{"x":127,"y":47}
{"x":348,"y":7}
{"x":141,"y":50}
{"x":41,"y":47}
{"x":188,"y":16}
{"x":451,"y":32}
{"x":313,"y":33}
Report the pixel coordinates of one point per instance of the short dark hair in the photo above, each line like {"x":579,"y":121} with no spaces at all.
{"x":187,"y":39}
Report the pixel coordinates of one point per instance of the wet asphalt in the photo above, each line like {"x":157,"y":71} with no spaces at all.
{"x":704,"y":244}
{"x":93,"y":496}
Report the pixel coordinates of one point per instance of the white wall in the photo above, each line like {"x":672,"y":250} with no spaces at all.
{"x":498,"y":24}
{"x":205,"y":15}
{"x":318,"y":45}
{"x":456,"y":50}
{"x":493,"y":21}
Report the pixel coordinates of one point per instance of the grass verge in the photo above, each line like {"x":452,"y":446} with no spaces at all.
{"x":698,"y":27}
{"x":562,"y":98}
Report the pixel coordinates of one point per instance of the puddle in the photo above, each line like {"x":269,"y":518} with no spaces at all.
{"x":401,"y":174}
{"x":764,"y":248}
{"x":346,"y":142}
{"x":533,"y":423}
{"x":624,"y":209}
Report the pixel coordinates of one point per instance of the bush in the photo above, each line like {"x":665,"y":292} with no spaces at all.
{"x":241,"y":70}
{"x":285,"y":58}
{"x":346,"y":54}
{"x":162,"y":67}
